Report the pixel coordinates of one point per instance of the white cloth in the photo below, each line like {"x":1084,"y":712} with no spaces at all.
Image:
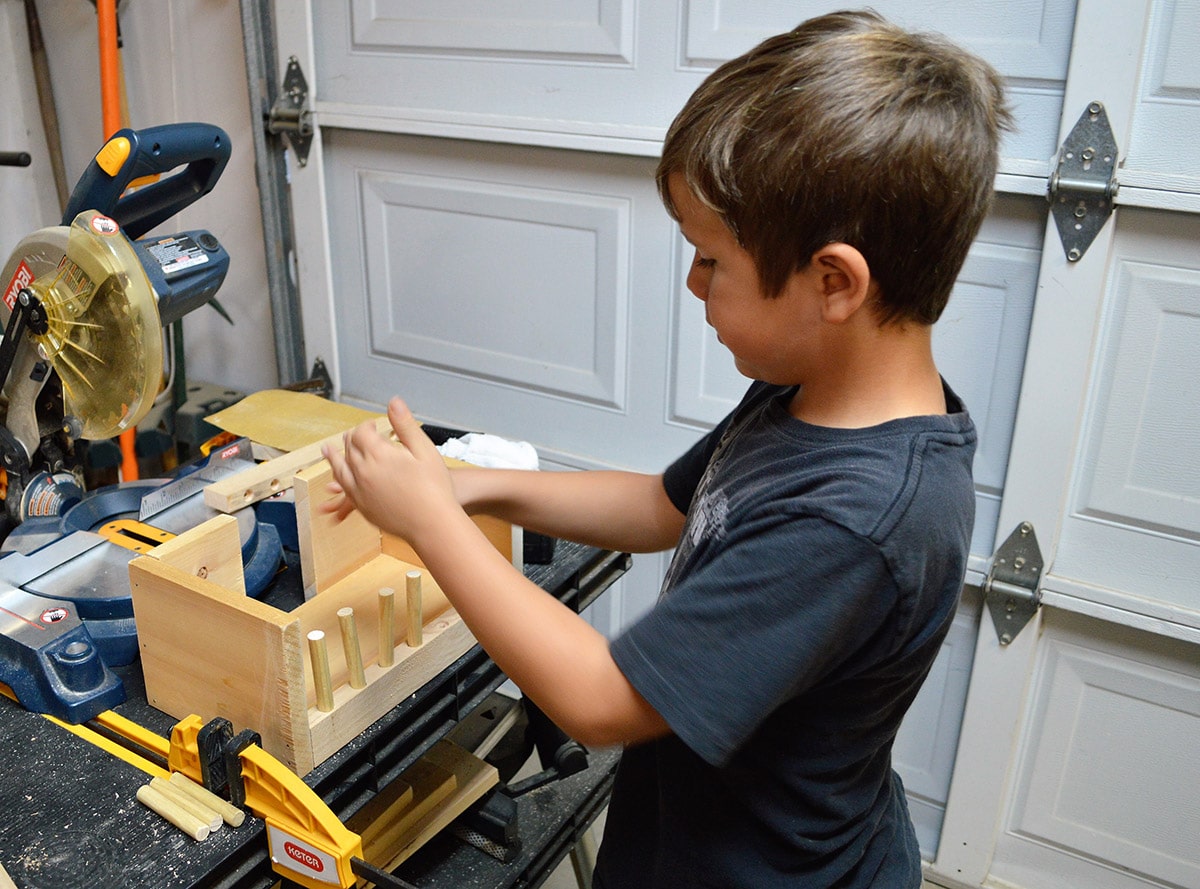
{"x":492,"y":451}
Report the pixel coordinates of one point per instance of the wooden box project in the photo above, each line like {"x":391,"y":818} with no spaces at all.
{"x":209,"y":649}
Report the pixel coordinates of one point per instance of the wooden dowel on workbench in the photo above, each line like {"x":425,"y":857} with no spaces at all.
{"x":322,"y":681}
{"x":412,"y":589}
{"x":176,"y":814}
{"x":387,"y":626}
{"x":205,"y":813}
{"x":354,"y":661}
{"x":230,"y":814}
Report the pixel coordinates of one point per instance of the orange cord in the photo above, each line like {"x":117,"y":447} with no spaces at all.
{"x":110,"y":66}
{"x":110,"y":108}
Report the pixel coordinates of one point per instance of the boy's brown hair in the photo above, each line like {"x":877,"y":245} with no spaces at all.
{"x":848,"y":129}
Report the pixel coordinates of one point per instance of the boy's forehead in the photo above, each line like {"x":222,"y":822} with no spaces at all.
{"x":697,"y":220}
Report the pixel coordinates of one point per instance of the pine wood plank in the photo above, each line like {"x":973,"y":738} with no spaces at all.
{"x":209,"y":649}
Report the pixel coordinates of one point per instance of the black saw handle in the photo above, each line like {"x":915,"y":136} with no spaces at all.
{"x":200,"y":148}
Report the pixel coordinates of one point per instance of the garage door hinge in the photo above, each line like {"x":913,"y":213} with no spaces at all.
{"x":290,"y":116}
{"x":1011,"y":588}
{"x":1084,"y":184}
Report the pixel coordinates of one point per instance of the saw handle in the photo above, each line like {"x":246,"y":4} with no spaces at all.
{"x":201,"y":149}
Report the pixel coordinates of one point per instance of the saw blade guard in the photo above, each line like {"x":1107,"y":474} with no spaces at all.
{"x":103,"y":337}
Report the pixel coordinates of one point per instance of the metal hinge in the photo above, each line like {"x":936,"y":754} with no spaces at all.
{"x":290,"y":116}
{"x":1083,"y":185}
{"x":1011,"y":588}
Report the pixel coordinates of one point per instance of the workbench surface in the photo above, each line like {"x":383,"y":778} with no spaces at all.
{"x":69,"y":817}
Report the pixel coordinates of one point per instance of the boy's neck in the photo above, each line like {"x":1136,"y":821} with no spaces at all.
{"x":887,"y":375}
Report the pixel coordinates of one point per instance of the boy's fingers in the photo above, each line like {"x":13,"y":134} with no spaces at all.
{"x":408,"y":430}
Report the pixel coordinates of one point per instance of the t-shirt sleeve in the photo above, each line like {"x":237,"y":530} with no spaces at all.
{"x":783,"y":603}
{"x":683,"y":476}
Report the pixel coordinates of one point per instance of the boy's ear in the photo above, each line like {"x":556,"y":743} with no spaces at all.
{"x":844,"y":280}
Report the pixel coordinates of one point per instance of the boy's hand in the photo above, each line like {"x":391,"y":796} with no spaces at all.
{"x":398,"y":488}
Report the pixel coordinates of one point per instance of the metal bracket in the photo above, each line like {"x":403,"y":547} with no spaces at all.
{"x":290,"y":115}
{"x":1011,"y":588}
{"x":1083,"y":185}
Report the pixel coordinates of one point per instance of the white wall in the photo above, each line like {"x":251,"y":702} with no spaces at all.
{"x":183,"y":61}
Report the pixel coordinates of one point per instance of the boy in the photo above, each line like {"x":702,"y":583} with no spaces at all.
{"x":831,"y":181}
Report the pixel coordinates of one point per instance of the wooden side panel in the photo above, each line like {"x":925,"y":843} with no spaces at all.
{"x":211,"y":550}
{"x":498,"y":531}
{"x":329,"y":549}
{"x":216,"y":652}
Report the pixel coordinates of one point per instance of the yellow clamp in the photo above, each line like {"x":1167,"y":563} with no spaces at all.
{"x":307,"y":842}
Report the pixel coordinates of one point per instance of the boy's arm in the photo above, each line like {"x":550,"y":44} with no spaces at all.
{"x":552,"y":654}
{"x":624,"y":511}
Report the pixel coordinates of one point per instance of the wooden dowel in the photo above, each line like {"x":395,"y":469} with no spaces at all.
{"x":205,"y":813}
{"x":322,"y":681}
{"x":230,"y":814}
{"x":412,"y":588}
{"x":387,"y":626}
{"x":354,"y":662}
{"x":173,"y":812}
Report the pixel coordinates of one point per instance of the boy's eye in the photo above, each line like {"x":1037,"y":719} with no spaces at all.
{"x":703,"y":263}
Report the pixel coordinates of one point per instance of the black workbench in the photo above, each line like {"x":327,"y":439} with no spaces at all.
{"x":69,"y":817}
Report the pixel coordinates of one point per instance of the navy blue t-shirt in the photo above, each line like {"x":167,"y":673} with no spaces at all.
{"x":817,"y":574}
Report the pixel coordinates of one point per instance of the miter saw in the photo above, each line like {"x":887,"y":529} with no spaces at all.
{"x":82,"y":358}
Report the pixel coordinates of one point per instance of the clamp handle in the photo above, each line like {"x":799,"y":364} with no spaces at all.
{"x":201,"y":149}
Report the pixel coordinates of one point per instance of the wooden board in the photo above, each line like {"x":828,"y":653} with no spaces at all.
{"x":446,"y":640}
{"x":208,"y":555}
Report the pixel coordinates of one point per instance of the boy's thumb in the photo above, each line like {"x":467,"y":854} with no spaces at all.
{"x":408,"y":430}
